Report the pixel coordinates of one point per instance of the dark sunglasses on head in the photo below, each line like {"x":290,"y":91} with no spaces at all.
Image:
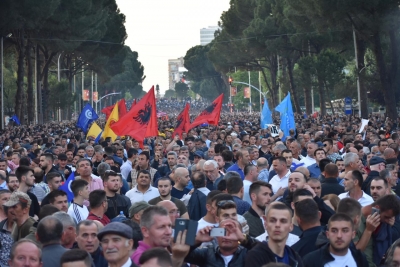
{"x":224,"y":202}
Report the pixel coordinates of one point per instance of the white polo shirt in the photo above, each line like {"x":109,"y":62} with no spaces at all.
{"x":364,"y":200}
{"x":135,"y":195}
{"x":276,"y":182}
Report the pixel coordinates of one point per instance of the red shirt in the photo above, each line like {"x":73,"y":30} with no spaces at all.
{"x":105,"y":220}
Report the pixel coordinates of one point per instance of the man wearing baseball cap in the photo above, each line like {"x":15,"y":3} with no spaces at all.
{"x":18,"y":205}
{"x":116,"y":241}
{"x":136,"y":210}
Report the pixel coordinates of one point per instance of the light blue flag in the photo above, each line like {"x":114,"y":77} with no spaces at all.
{"x":87,"y":116}
{"x":66,"y":187}
{"x":287,"y":117}
{"x":266,"y":115}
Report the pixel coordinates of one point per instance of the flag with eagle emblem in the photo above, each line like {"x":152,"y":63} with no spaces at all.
{"x":141,"y":121}
{"x":211,"y":114}
{"x":183,"y":122}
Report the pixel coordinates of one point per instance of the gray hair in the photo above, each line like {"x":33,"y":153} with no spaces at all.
{"x":65,"y":218}
{"x":147,"y":218}
{"x":350,"y":158}
{"x":98,"y":149}
{"x":384,"y":174}
{"x":211,"y":162}
{"x":390,"y":167}
{"x":279,"y":147}
{"x":88,"y":147}
{"x":102,"y":168}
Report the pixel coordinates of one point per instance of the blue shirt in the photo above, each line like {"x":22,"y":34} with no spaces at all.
{"x":314,"y":170}
{"x":263,"y":175}
{"x":241,"y":206}
{"x":235,"y":168}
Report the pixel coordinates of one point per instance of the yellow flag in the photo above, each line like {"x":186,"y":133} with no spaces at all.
{"x":94,"y":131}
{"x":112,"y":119}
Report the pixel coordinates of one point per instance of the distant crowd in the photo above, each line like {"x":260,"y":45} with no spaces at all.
{"x":227,"y":195}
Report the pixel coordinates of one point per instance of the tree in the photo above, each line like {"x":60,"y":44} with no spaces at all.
{"x":181,"y":90}
{"x":169,"y":94}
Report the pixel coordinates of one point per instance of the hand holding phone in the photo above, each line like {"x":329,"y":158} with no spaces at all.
{"x":191,"y":228}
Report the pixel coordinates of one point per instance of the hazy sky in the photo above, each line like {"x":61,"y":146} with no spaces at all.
{"x":165,"y":29}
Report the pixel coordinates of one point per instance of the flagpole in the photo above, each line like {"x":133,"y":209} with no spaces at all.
{"x":249,"y":89}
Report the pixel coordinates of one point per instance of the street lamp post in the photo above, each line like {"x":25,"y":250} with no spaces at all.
{"x":98,"y":101}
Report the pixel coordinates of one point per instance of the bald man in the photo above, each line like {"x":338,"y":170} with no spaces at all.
{"x":172,"y":210}
{"x":182,"y":179}
{"x":389,"y":153}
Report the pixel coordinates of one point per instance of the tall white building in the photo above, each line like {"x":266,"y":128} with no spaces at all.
{"x":207,"y":34}
{"x":175,"y":71}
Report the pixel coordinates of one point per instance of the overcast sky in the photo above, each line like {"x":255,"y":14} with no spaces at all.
{"x":165,"y":29}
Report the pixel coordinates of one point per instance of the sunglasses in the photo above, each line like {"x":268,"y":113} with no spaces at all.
{"x":222,"y":203}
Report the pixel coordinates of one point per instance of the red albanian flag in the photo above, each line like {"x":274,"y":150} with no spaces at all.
{"x":121,"y":109}
{"x":211,"y":114}
{"x":141,"y":121}
{"x":183,"y":122}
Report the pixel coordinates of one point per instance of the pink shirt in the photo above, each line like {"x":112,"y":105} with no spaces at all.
{"x":139,"y":251}
{"x":95,"y":184}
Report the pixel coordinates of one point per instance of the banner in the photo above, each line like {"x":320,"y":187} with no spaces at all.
{"x":246,"y":92}
{"x":95,"y":96}
{"x":85,"y":95}
{"x":233,"y":91}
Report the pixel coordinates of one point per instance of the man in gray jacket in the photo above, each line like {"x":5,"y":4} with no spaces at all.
{"x":49,"y":233}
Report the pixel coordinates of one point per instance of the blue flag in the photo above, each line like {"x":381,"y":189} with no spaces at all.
{"x":266,"y":115}
{"x":15,"y":119}
{"x":287,"y":116}
{"x":66,"y":187}
{"x":87,"y":116}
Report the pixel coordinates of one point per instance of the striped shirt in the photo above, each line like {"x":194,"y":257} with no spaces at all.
{"x":78,"y":212}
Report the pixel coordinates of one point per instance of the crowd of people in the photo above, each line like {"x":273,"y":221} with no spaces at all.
{"x":325,"y":195}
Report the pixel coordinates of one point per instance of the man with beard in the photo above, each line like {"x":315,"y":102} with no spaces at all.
{"x":46,"y":164}
{"x":338,"y":251}
{"x":164,"y":188}
{"x":26,"y":181}
{"x":242,"y":159}
{"x":260,"y":193}
{"x":18,"y":205}
{"x":379,"y":187}
{"x":116,"y":202}
{"x":54,"y":181}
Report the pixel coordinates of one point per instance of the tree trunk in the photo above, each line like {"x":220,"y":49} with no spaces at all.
{"x":363,"y":105}
{"x":19,"y":96}
{"x":321,"y":90}
{"x":307,"y":100}
{"x":293,"y":89}
{"x":387,"y":89}
{"x":31,"y":100}
{"x":273,"y":71}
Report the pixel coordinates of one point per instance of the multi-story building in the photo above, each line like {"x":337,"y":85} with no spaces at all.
{"x":175,"y":71}
{"x":207,"y":34}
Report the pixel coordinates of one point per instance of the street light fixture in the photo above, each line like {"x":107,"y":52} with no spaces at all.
{"x":2,"y":79}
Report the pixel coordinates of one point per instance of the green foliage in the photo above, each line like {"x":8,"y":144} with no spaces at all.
{"x":169,"y":93}
{"x":205,"y":80}
{"x":60,"y":94}
{"x":181,"y":90}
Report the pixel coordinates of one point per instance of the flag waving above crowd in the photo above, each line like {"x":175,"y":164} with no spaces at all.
{"x":141,"y":121}
{"x":211,"y":114}
{"x":87,"y":116}
{"x":183,"y":121}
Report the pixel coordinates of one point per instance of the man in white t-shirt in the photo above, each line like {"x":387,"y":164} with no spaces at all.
{"x":77,"y":210}
{"x":353,"y":181}
{"x":210,"y":218}
{"x":337,"y":253}
{"x":279,"y":182}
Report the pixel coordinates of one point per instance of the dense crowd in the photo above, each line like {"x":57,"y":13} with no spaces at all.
{"x":217,"y":196}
